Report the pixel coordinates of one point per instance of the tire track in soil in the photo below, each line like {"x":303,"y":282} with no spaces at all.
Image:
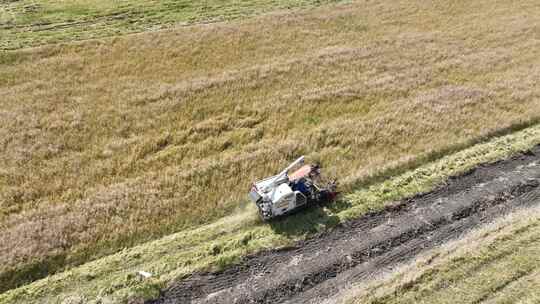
{"x":320,"y":267}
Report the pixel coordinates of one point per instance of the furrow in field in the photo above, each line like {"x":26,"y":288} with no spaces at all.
{"x":322,"y":266}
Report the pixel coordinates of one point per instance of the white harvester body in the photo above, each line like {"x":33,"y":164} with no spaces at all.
{"x":282,"y":193}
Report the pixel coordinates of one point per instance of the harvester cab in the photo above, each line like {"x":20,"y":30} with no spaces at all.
{"x":283,"y":193}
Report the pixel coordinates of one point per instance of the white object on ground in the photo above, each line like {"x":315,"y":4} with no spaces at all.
{"x":144,"y":274}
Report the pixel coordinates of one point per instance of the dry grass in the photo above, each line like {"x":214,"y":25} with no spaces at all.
{"x":105,"y":144}
{"x":495,"y":264}
{"x":111,"y":279}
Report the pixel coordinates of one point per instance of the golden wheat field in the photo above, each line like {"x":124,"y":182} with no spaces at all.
{"x":108,"y":143}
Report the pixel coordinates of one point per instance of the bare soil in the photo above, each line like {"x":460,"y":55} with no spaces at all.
{"x":108,"y":143}
{"x":318,"y":268}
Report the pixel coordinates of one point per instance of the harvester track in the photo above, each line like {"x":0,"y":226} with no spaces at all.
{"x":316,"y":269}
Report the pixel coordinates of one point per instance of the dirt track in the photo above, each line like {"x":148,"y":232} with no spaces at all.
{"x":317,"y":269}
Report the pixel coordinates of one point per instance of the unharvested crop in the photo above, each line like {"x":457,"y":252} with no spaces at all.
{"x":109,"y":143}
{"x":218,"y":244}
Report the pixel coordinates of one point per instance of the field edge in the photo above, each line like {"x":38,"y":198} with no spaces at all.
{"x":479,"y":245}
{"x":112,"y":279}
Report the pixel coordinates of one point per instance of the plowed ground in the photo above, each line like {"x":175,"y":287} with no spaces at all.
{"x":320,"y":267}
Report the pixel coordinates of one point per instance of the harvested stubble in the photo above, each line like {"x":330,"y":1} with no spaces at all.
{"x":109,"y":143}
{"x":495,"y":264}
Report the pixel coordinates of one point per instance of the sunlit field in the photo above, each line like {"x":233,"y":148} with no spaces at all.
{"x":105,"y":144}
{"x":497,"y":264}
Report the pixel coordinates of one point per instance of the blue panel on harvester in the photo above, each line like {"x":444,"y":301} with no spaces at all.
{"x":300,"y":186}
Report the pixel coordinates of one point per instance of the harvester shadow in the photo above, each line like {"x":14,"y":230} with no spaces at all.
{"x":310,"y":220}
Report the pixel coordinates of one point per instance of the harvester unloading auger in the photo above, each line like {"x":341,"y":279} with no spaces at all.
{"x":283,"y":193}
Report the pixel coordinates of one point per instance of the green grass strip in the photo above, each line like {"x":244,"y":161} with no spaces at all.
{"x":113,"y":279}
{"x":499,"y":261}
{"x":28,"y":23}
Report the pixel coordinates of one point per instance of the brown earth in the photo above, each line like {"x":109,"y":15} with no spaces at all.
{"x":322,"y":266}
{"x":108,"y":144}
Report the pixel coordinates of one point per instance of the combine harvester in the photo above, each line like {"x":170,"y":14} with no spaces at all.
{"x":283,"y":193}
